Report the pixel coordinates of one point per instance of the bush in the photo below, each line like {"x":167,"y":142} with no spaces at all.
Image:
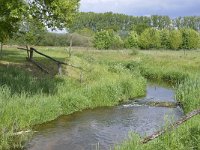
{"x":79,"y":40}
{"x":54,"y":39}
{"x":175,"y":39}
{"x":107,"y":39}
{"x":117,"y":42}
{"x":150,"y":38}
{"x":102,"y":40}
{"x":132,"y":40}
{"x":190,"y":39}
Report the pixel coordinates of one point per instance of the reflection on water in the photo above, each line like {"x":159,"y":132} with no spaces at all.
{"x":103,"y":128}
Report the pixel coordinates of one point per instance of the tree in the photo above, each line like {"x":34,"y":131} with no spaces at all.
{"x":117,"y":42}
{"x":132,"y":40}
{"x":53,"y":14}
{"x":10,"y":15}
{"x":102,"y":40}
{"x":175,"y":39}
{"x":31,"y":32}
{"x":139,"y":28}
{"x":190,"y":39}
{"x":150,"y":38}
{"x":164,"y":38}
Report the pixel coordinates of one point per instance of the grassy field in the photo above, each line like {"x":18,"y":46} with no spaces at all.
{"x":29,"y":97}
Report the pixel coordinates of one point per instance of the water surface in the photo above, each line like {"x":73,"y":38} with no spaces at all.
{"x":102,"y":128}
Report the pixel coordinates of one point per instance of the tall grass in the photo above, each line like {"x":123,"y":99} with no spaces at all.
{"x":111,"y":76}
{"x":27,"y":100}
{"x":168,"y":66}
{"x":187,"y":93}
{"x":185,"y":137}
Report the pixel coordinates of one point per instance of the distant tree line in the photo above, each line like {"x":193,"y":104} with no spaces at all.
{"x":121,"y":22}
{"x":115,"y":31}
{"x":150,"y":38}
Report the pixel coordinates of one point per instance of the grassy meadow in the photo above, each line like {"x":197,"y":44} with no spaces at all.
{"x":29,"y":97}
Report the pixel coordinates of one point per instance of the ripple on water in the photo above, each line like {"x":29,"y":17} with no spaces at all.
{"x":102,"y":128}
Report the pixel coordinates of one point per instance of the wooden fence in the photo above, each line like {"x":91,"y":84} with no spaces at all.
{"x":30,"y":57}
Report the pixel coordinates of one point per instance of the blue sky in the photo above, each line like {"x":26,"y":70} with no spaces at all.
{"x":172,"y":8}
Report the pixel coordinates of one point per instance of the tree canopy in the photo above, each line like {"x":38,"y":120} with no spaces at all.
{"x":121,"y":22}
{"x":53,"y":14}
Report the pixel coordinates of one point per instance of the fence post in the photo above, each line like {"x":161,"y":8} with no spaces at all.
{"x":28,"y":56}
{"x":31,"y":53}
{"x":59,"y":69}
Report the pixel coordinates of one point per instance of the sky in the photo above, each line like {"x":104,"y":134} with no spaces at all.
{"x":172,"y":8}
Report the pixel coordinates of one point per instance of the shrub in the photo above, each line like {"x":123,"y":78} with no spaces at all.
{"x":150,"y":38}
{"x":175,"y":39}
{"x":132,"y":40}
{"x":79,"y":40}
{"x":107,"y":39}
{"x":190,"y":39}
{"x":117,"y":42}
{"x":102,"y":40}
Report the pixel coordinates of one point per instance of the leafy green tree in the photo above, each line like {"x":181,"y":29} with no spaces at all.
{"x":190,"y":39}
{"x":150,"y":38}
{"x":31,"y":32}
{"x":108,"y":39}
{"x":10,"y":15}
{"x":121,"y":22}
{"x":164,"y":38}
{"x":132,"y":40}
{"x":175,"y":39}
{"x":139,"y":28}
{"x":117,"y":42}
{"x":102,"y":40}
{"x":54,"y":14}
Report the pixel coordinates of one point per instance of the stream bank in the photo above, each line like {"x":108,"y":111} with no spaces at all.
{"x":103,"y":128}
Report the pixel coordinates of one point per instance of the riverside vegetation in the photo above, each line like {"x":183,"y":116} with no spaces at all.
{"x":29,"y":97}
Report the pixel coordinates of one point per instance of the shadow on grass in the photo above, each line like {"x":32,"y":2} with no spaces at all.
{"x":13,"y":56}
{"x":20,"y":81}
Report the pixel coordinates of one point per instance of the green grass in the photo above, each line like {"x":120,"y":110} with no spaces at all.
{"x":29,"y":97}
{"x":182,"y":71}
{"x":185,"y":137}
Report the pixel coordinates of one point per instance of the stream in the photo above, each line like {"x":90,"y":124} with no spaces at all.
{"x":103,"y":128}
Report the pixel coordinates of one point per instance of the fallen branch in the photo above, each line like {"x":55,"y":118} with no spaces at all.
{"x":174,"y":125}
{"x":48,"y":56}
{"x":58,"y":62}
